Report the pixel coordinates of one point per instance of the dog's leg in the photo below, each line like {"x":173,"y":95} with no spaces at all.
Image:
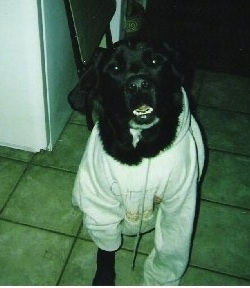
{"x":105,"y":272}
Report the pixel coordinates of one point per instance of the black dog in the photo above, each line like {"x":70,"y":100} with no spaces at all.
{"x":145,"y":150}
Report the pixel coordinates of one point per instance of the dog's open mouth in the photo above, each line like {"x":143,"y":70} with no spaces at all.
{"x":143,"y":111}
{"x":143,"y":117}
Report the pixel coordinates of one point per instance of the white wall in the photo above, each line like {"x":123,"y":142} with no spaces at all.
{"x":116,"y":24}
{"x":60,"y":68}
{"x":22,"y":116}
{"x":37,"y":71}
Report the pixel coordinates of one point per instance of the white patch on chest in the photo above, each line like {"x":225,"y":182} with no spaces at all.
{"x":136,"y":133}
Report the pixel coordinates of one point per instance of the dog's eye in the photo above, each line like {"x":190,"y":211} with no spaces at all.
{"x":156,"y":60}
{"x":115,"y":68}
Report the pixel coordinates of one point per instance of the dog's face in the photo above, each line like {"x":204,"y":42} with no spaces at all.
{"x":138,"y":83}
{"x":137,"y":88}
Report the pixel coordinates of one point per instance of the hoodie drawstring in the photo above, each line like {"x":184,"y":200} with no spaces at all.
{"x":138,"y":235}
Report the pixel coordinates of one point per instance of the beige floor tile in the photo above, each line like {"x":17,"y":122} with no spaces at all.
{"x":222,"y":240}
{"x":227,"y":179}
{"x":68,"y":151}
{"x":43,"y":199}
{"x":10,"y":173}
{"x":225,"y":91}
{"x":81,"y":266}
{"x":30,"y":256}
{"x":226,"y":130}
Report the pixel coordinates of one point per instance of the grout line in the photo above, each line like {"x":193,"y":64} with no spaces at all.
{"x":229,"y":152}
{"x":221,"y":109}
{"x":68,"y":257}
{"x":14,"y":188}
{"x":37,"y":227}
{"x":15,"y":159}
{"x":77,"y":123}
{"x":32,"y":158}
{"x":130,"y":250}
{"x":218,"y":272}
{"x":29,"y":165}
{"x":61,"y":169}
{"x":225,"y":204}
{"x":79,"y":230}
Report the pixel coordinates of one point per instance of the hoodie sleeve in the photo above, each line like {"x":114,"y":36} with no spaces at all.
{"x":102,"y":212}
{"x":93,"y":195}
{"x":174,"y":225}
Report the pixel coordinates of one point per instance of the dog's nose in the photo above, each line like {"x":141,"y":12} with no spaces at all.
{"x":136,"y":84}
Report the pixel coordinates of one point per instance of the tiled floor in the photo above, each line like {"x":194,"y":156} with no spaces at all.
{"x":41,"y":236}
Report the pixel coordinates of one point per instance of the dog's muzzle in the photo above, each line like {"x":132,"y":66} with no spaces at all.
{"x":142,"y":90}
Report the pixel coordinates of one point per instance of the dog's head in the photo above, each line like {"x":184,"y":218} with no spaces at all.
{"x":138,"y":81}
{"x":137,"y":88}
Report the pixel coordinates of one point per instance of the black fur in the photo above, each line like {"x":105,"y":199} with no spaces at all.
{"x":105,"y":272}
{"x":128,"y":75}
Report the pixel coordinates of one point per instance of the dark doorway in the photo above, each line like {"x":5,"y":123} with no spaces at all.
{"x":215,"y":32}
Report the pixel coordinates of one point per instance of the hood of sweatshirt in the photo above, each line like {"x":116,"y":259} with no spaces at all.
{"x":184,"y":120}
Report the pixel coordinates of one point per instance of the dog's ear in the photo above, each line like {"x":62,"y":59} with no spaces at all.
{"x":182,"y":65}
{"x":84,"y":92}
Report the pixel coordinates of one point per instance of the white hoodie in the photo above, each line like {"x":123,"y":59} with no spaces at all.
{"x":113,"y":195}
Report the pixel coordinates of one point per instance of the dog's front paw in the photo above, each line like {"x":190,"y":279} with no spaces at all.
{"x":104,"y":278}
{"x":105,"y":272}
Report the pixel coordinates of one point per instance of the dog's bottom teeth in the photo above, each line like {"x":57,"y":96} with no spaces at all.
{"x":143,"y":111}
{"x":143,"y":117}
